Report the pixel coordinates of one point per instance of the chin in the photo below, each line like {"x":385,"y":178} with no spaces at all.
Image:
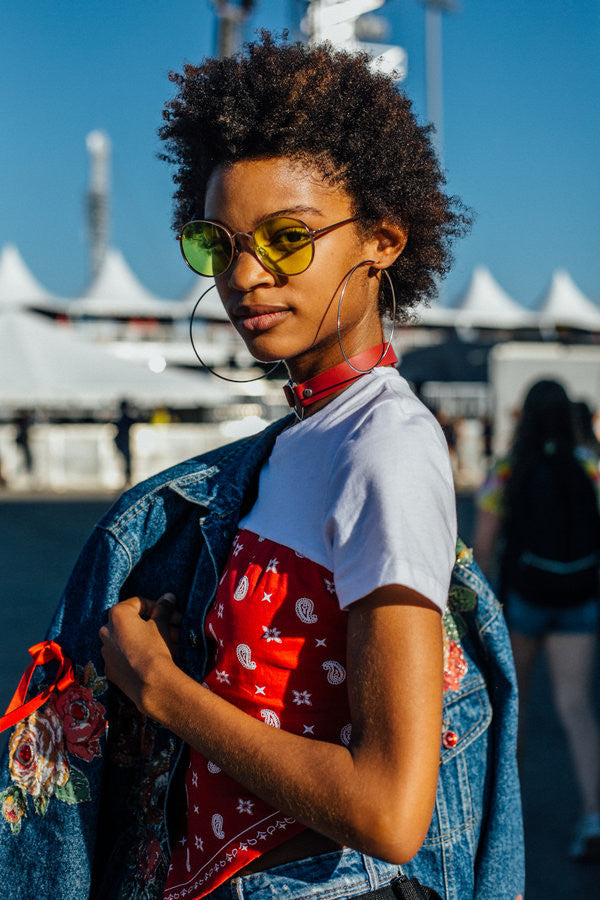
{"x":266,"y":350}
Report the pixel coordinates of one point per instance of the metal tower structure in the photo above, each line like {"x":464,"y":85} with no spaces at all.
{"x":348,"y":24}
{"x":230,"y":20}
{"x":433,"y":67}
{"x":98,"y":196}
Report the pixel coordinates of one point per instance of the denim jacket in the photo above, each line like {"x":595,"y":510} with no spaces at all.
{"x":89,"y":808}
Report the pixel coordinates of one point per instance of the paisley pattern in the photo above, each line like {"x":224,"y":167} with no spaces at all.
{"x":281,"y":658}
{"x":244,"y":655}
{"x":270,"y":718}
{"x":242,"y":588}
{"x":280,"y":644}
{"x":216,"y":823}
{"x":305,"y":610}
{"x":336,"y":673}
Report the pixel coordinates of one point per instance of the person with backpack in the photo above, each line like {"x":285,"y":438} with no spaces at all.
{"x":539,"y":510}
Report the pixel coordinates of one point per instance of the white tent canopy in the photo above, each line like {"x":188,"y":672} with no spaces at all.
{"x":43,"y":366}
{"x":565,"y":304}
{"x":18,"y":287}
{"x":435,"y":315}
{"x":116,"y":292}
{"x":485,"y":304}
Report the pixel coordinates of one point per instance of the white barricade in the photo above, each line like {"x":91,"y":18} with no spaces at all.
{"x":84,"y":457}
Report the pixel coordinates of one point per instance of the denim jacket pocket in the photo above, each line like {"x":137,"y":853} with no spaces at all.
{"x":466,"y":715}
{"x":446,"y":859}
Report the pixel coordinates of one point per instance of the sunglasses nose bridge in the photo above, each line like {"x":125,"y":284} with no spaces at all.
{"x":241,"y":240}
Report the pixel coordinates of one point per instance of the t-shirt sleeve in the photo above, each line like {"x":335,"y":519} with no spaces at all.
{"x":390,"y":510}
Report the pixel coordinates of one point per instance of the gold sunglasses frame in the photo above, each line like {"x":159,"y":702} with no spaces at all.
{"x":235,"y":250}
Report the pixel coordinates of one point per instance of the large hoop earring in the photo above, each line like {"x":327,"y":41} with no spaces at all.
{"x":367,"y":262}
{"x":205,"y":365}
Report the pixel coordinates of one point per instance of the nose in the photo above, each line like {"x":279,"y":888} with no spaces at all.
{"x":246,"y":270}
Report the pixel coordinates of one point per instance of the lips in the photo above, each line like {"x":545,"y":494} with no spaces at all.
{"x":260,"y":318}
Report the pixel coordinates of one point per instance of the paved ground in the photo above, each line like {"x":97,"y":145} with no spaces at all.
{"x":39,"y":540}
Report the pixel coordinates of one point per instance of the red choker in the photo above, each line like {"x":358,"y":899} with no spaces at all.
{"x":302,"y":395}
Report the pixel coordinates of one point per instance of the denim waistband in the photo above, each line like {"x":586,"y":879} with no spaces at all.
{"x":329,"y":876}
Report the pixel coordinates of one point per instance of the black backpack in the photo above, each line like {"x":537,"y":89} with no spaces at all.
{"x":552,"y":535}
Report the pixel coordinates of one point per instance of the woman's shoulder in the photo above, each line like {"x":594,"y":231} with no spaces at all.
{"x":390,"y":406}
{"x":393,"y":439}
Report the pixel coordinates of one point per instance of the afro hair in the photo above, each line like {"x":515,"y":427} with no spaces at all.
{"x":329,"y":109}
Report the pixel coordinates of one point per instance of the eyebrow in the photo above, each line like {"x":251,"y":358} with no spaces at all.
{"x":295,"y":209}
{"x":290,"y":210}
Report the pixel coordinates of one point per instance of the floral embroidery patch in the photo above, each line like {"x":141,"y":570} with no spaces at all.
{"x":70,"y":724}
{"x":455,"y":664}
{"x":460,"y":599}
{"x":148,"y":871}
{"x":464,"y":554}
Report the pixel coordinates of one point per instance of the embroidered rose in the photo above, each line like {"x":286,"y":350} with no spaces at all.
{"x":83,"y":721}
{"x":37,"y":759}
{"x":455,"y":665}
{"x":460,"y":600}
{"x":14,"y":807}
{"x":153,"y":789}
{"x":149,"y":856}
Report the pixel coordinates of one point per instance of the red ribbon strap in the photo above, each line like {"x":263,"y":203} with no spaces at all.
{"x":47,"y":651}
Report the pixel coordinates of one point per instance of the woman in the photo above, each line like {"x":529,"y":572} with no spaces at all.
{"x":301,"y":708}
{"x":542,"y":503}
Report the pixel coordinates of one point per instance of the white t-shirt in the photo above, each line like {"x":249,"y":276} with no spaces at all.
{"x":364,"y":487}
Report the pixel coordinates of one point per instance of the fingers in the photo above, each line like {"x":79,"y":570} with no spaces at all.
{"x":164,"y":607}
{"x":167,"y":619}
{"x":162,"y":612}
{"x":134,"y":604}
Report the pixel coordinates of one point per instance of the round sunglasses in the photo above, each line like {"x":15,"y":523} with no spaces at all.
{"x":281,"y":244}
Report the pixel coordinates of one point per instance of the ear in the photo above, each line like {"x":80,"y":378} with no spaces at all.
{"x":386,"y":243}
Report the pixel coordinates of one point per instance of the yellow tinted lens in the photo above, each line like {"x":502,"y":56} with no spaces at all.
{"x":284,"y":246}
{"x":207,"y":248}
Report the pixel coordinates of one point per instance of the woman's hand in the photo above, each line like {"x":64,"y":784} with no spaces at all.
{"x":138,"y":643}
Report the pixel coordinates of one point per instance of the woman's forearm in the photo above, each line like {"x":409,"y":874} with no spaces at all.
{"x":378,"y":795}
{"x":351,"y":796}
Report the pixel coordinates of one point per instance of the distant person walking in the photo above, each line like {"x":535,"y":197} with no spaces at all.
{"x":123,"y":424}
{"x":23,"y":423}
{"x":539,"y":510}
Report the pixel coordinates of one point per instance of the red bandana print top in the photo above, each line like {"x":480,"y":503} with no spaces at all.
{"x":280,"y":655}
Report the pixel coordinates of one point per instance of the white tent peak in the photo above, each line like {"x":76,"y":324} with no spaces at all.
{"x":484,"y":293}
{"x":565,"y":304}
{"x":486,"y":304}
{"x":18,"y":287}
{"x":116,"y":291}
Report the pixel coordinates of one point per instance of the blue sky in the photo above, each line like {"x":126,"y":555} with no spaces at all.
{"x":521,"y":130}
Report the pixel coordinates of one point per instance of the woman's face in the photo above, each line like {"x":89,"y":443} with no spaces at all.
{"x":294,"y":317}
